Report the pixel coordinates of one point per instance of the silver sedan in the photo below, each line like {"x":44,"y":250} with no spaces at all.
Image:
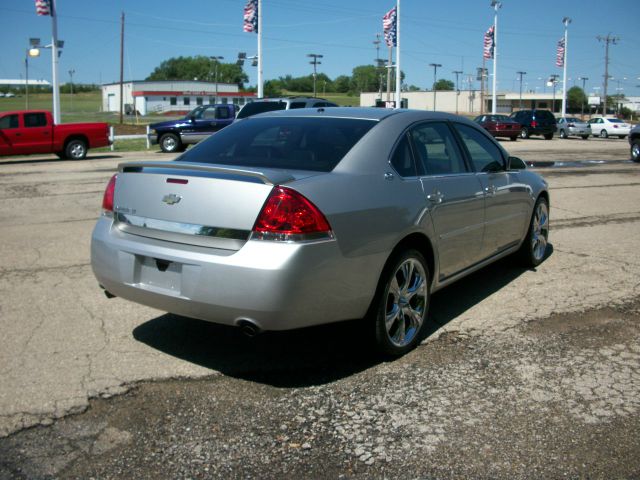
{"x":304,"y":217}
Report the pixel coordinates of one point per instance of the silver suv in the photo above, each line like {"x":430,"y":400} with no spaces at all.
{"x":285,"y":103}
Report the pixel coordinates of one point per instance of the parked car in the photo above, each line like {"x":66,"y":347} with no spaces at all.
{"x":286,"y":103}
{"x":33,"y":131}
{"x":200,"y":123}
{"x":605,"y":127}
{"x":573,"y":127}
{"x":535,"y":122}
{"x":634,"y":141}
{"x":499,"y":126}
{"x":298,"y":218}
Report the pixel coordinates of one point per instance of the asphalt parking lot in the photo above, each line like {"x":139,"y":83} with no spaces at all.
{"x":526,"y":373}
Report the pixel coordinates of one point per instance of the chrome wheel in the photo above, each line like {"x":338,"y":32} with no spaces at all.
{"x":76,"y":150}
{"x":540,"y":231}
{"x":406,"y":302}
{"x":169,"y":143}
{"x":635,"y":151}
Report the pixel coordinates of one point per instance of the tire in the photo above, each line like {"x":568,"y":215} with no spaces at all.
{"x":170,"y":143}
{"x":76,"y":149}
{"x":635,"y":150}
{"x":524,"y":133}
{"x":563,"y":134}
{"x":585,"y":137}
{"x":513,"y":139}
{"x":548,"y":136}
{"x":401,"y":304}
{"x":534,"y":247}
{"x":604,"y":134}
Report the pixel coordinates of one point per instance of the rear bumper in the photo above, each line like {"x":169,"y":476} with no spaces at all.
{"x":153,"y":138}
{"x":277,"y":286}
{"x":579,"y":131}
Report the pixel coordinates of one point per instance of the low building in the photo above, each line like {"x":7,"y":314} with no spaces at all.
{"x":469,"y":102}
{"x":170,"y":96}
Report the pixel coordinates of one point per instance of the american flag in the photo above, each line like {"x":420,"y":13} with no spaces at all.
{"x":251,"y":16}
{"x":560,"y":53}
{"x":489,"y":43}
{"x":390,"y":27}
{"x":43,"y":7}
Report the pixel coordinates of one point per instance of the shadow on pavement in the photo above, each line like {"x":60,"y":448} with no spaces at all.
{"x":55,"y":159}
{"x":309,"y":356}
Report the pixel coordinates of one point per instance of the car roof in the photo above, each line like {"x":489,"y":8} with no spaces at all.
{"x":366,"y":113}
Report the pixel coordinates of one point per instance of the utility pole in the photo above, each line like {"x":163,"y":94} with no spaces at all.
{"x":521,"y":74}
{"x":315,"y":63}
{"x":216,"y":61}
{"x":122,"y":68}
{"x":71,"y":72}
{"x":584,"y":79}
{"x":481,"y":76}
{"x":457,"y":72}
{"x":377,"y":42}
{"x":607,"y":40}
{"x":435,"y":69}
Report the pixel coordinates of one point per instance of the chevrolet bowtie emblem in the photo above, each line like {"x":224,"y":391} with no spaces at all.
{"x":171,"y":199}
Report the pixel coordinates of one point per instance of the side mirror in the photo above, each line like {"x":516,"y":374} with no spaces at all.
{"x":515,"y":163}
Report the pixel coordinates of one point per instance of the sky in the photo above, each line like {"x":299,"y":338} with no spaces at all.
{"x":449,"y":33}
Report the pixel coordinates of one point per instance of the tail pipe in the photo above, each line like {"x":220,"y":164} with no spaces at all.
{"x":249,"y":327}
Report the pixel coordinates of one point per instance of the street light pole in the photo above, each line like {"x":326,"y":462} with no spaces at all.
{"x":554,"y":79}
{"x":521,"y":74}
{"x":215,"y":59}
{"x":315,"y":63}
{"x":457,"y":72}
{"x":435,"y":69}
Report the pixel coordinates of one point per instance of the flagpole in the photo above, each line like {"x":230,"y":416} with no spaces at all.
{"x":398,"y":71}
{"x":54,"y":62}
{"x":496,"y":5}
{"x":566,"y":21}
{"x":260,"y":81}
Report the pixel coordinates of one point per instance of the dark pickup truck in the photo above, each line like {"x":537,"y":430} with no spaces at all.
{"x":200,"y":123}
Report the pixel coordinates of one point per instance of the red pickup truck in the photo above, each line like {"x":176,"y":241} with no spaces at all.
{"x":33,"y":131}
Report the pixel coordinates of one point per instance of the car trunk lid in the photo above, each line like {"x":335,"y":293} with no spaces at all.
{"x":196,"y":204}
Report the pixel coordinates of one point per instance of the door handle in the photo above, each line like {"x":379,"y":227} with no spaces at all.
{"x":490,"y":190}
{"x":388,"y":176}
{"x":435,"y":197}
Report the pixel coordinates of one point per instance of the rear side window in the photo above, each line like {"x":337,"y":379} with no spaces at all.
{"x":436,"y":150}
{"x":316,"y":144}
{"x":485,"y":155}
{"x":35,"y":120}
{"x":297,"y":105}
{"x":260,"y":107}
{"x":222,"y":113}
{"x":9,"y":121}
{"x":402,"y":160}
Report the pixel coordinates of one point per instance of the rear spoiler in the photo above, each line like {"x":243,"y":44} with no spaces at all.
{"x":266,"y":177}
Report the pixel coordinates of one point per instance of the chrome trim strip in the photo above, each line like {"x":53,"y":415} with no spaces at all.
{"x":192,"y":234}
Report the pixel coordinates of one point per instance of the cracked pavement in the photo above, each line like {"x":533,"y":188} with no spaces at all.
{"x":498,"y":339}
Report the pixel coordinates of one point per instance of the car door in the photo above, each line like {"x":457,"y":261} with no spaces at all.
{"x":9,"y":134}
{"x":36,"y":134}
{"x":453,"y":196}
{"x":507,"y":198}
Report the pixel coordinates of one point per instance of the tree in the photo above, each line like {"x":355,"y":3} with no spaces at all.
{"x":365,"y":78}
{"x":198,"y":68}
{"x":443,"y":84}
{"x":342,"y":84}
{"x":576,"y":98}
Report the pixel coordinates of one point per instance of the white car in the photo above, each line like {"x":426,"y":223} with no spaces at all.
{"x":603,"y":127}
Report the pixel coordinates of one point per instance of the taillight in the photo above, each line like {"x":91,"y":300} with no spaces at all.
{"x":107,"y":199}
{"x":288,"y":216}
{"x":534,"y":124}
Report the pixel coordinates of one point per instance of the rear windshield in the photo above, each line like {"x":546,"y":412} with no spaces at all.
{"x":260,"y":107}
{"x":573,"y":119}
{"x":546,"y":114}
{"x":316,"y":144}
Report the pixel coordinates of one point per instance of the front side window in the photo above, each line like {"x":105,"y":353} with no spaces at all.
{"x":436,"y":150}
{"x":35,"y":120}
{"x":315,"y":144}
{"x":485,"y":155}
{"x":9,"y":121}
